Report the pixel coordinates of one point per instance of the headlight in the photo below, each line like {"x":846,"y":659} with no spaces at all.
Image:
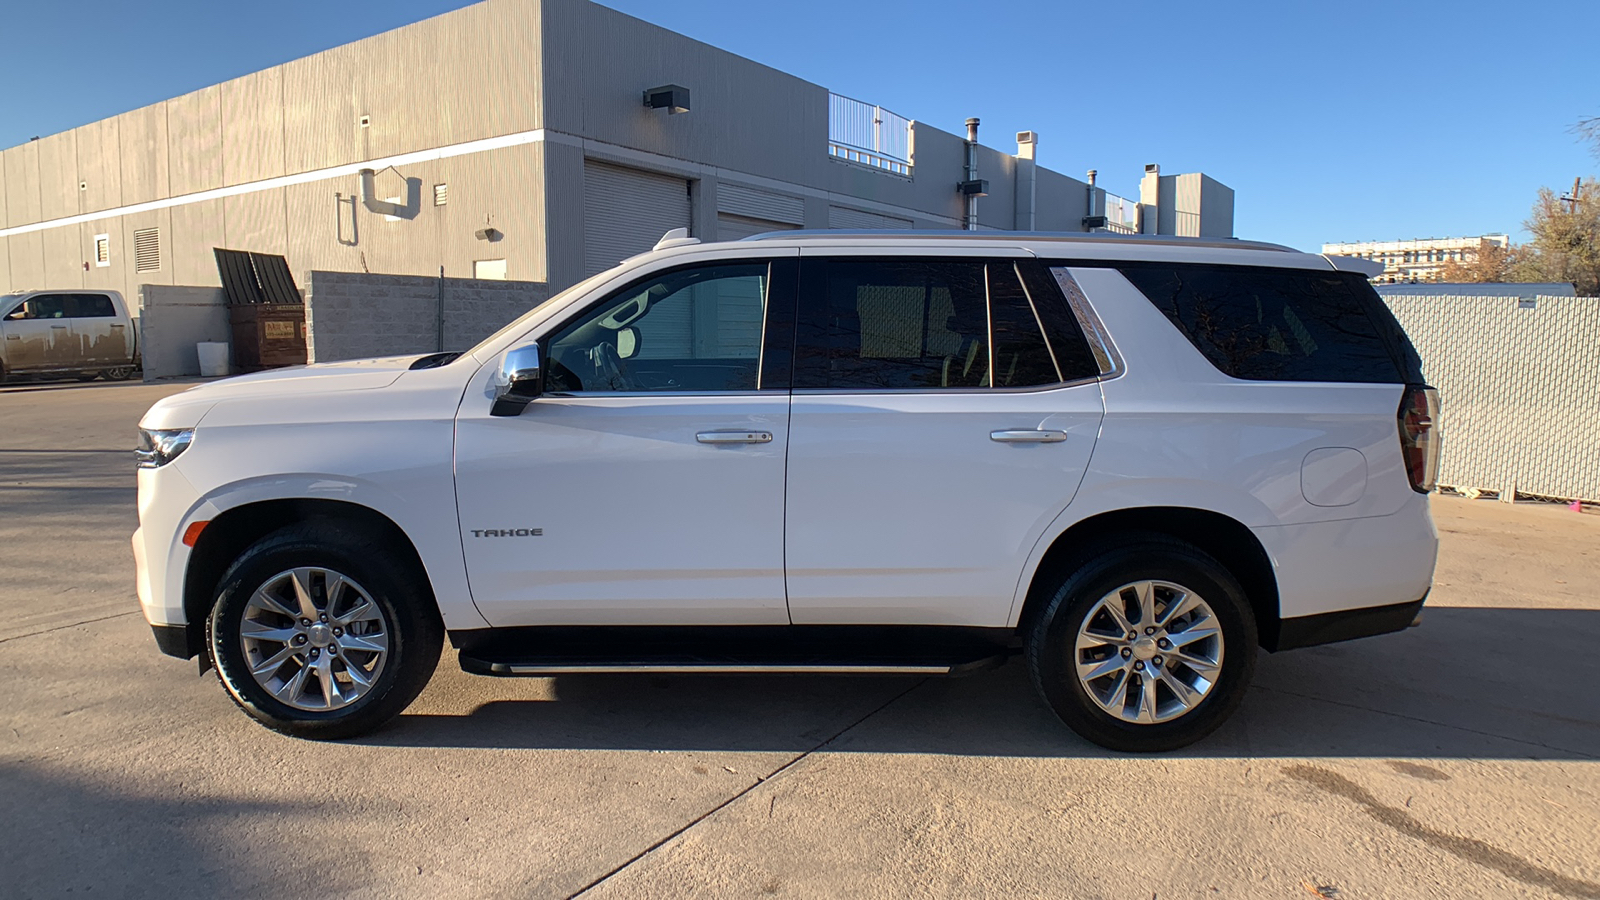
{"x":159,"y":447}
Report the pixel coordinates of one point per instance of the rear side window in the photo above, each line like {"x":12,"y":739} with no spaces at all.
{"x":907,"y":324}
{"x":1266,"y":324}
{"x":90,"y":306}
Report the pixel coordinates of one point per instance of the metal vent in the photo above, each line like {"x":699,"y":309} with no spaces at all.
{"x":147,"y":250}
{"x":441,"y":194}
{"x":102,"y":249}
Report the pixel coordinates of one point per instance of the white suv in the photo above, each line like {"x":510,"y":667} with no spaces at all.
{"x":1130,"y":460}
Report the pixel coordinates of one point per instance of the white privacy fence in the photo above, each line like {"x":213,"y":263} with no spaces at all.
{"x":1519,"y":381}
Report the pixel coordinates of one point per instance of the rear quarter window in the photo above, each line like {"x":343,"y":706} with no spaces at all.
{"x":1266,"y":324}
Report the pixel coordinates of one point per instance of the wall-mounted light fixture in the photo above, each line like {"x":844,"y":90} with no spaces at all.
{"x":674,"y":98}
{"x":977,"y":187}
{"x":488,"y":234}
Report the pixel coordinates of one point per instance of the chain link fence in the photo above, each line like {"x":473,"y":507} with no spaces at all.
{"x":1519,"y":381}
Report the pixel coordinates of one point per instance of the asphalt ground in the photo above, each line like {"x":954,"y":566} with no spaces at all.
{"x":1454,"y":760}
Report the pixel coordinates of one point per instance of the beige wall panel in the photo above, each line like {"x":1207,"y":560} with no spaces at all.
{"x":196,"y":229}
{"x":325,"y":231}
{"x":100,"y":164}
{"x":66,"y":249}
{"x":21,"y":165}
{"x":27,"y":260}
{"x":6,"y":284}
{"x":464,"y":84}
{"x":256,"y":221}
{"x":515,"y":59}
{"x":518,"y":184}
{"x":58,"y":175}
{"x":194,"y":123}
{"x":319,"y":111}
{"x":252,"y":127}
{"x":598,"y":61}
{"x":143,"y":135}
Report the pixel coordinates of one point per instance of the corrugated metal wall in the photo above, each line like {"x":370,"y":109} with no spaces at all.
{"x":626,"y":211}
{"x":1520,"y":390}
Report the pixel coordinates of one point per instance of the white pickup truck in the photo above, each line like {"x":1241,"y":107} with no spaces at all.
{"x":85,"y":333}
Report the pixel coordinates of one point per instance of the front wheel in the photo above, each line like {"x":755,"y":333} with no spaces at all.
{"x":1146,"y":644}
{"x":320,"y":631}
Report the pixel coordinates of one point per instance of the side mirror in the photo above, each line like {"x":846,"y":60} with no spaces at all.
{"x":520,"y":380}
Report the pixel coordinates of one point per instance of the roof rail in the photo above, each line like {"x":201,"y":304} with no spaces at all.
{"x":1013,"y":236}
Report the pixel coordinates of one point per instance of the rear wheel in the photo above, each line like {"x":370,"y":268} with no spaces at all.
{"x":87,"y":376}
{"x":322,"y":632}
{"x":117,"y":373}
{"x":1146,"y":645}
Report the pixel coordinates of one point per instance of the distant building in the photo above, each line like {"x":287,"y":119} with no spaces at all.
{"x":535,"y":140}
{"x":1418,"y":260}
{"x":1520,"y":290}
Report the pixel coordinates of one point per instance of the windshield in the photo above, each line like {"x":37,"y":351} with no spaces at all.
{"x":520,"y":322}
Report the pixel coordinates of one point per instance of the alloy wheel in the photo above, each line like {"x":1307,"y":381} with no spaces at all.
{"x":314,"y":639}
{"x":1149,"y":652}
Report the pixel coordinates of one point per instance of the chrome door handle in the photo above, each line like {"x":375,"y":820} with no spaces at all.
{"x":734,"y":437}
{"x":1034,"y":436}
{"x":58,"y":326}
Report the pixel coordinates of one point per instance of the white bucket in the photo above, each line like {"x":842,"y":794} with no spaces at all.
{"x":213,"y":358}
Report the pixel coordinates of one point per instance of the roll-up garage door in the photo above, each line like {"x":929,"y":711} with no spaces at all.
{"x":626,"y":211}
{"x":844,"y":217}
{"x":731,"y":227}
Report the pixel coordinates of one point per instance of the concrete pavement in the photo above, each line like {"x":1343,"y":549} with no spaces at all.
{"x":1455,"y":760}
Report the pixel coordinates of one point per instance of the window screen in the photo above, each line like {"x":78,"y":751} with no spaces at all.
{"x":690,"y":330}
{"x":1273,"y":324}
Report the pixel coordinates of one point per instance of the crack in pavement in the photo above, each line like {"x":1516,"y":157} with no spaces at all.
{"x":17,"y":637}
{"x":724,"y":804}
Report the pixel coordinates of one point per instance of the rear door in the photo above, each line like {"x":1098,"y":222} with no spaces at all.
{"x":101,"y":335}
{"x":38,"y":335}
{"x":935,"y":433}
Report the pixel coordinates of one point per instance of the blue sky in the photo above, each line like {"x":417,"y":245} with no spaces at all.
{"x":1381,"y":120}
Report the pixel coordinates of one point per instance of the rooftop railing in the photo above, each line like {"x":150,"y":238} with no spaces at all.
{"x":1122,"y":214}
{"x":868,"y":135}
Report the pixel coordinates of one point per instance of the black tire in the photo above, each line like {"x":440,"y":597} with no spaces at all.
{"x":416,"y":633}
{"x":1074,"y":592}
{"x":118,"y":373}
{"x":87,"y":376}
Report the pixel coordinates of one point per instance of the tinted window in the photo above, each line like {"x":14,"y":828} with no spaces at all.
{"x":90,"y":306}
{"x":49,"y":306}
{"x":1021,"y":358}
{"x":690,"y":330}
{"x":1070,"y":348}
{"x":1272,"y":324}
{"x":876,"y":324}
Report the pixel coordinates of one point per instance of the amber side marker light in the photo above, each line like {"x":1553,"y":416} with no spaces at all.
{"x":192,"y":533}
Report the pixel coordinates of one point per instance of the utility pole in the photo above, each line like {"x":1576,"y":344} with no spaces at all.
{"x":1577,"y":188}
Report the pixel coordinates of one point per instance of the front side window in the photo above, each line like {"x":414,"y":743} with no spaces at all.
{"x":50,"y":306}
{"x":689,"y":330}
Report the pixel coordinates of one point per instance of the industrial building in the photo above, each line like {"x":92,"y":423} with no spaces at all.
{"x":1419,"y":260}
{"x":533,"y":140}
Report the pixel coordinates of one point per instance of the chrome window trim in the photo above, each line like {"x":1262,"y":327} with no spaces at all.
{"x":967,"y":391}
{"x":589,"y":395}
{"x":1105,"y":352}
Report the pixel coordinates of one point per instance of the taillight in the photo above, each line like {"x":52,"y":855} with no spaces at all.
{"x":1419,"y":436}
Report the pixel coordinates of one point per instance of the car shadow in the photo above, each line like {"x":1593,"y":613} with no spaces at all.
{"x":1469,"y":683}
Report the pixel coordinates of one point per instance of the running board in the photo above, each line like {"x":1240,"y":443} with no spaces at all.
{"x":539,"y":668}
{"x":733,"y":650}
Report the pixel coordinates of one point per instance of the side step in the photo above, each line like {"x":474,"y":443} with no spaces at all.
{"x":732,"y":650}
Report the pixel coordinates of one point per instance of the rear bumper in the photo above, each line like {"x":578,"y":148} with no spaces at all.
{"x":1346,"y":625}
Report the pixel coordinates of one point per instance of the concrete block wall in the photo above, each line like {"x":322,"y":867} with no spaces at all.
{"x":172,"y":319}
{"x":1519,"y":385}
{"x":352,"y":315}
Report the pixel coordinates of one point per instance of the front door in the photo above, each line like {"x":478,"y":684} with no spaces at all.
{"x":101,"y":336}
{"x":38,"y":335}
{"x":646,"y":486}
{"x":935,"y":434}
